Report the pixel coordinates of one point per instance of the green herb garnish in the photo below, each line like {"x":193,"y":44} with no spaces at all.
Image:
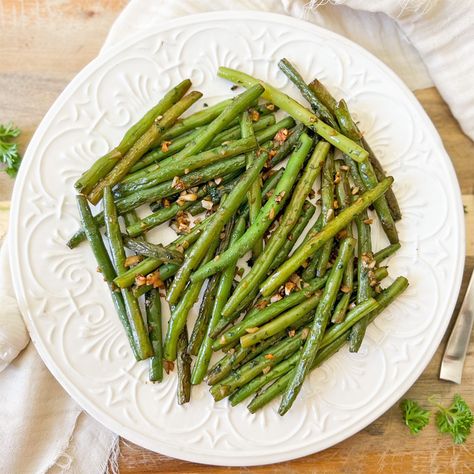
{"x":9,"y":155}
{"x":415,"y":417}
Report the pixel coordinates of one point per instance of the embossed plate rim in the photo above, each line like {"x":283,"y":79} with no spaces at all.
{"x":61,"y":376}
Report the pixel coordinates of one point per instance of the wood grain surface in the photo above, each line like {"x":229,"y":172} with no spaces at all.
{"x":43,"y":44}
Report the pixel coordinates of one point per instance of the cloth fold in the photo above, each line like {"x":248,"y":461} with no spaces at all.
{"x":41,"y":428}
{"x":13,"y":334}
{"x":443,"y":33}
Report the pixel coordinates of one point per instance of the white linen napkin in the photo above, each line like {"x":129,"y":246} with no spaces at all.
{"x":13,"y":334}
{"x":41,"y":428}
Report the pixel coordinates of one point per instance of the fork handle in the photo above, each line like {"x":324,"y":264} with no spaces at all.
{"x":458,"y":342}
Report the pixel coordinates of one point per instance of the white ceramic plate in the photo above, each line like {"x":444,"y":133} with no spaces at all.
{"x":67,"y":306}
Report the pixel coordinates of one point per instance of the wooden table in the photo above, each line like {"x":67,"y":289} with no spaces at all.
{"x":43,"y":44}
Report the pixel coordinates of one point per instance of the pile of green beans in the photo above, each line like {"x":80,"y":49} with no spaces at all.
{"x":236,"y":183}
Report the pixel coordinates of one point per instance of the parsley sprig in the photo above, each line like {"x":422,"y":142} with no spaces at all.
{"x":9,"y":155}
{"x":456,"y":420}
{"x":416,"y":418}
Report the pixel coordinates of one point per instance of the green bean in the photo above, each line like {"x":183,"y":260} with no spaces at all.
{"x":353,"y":132}
{"x":278,"y":387}
{"x":193,"y":207}
{"x":346,"y":122}
{"x":147,"y":249}
{"x":319,"y":108}
{"x":237,"y":105}
{"x":327,"y":210}
{"x":281,"y":322}
{"x":197,"y":119}
{"x":165,"y":148}
{"x":80,"y":235}
{"x":249,"y":353}
{"x":310,"y":270}
{"x":148,"y":162}
{"x":224,"y":287}
{"x":380,"y":273}
{"x":153,"y":314}
{"x":254,"y":194}
{"x":340,"y":310}
{"x":344,"y":199}
{"x":311,"y":245}
{"x":180,"y":312}
{"x":221,"y":217}
{"x":288,"y":145}
{"x":163,"y":215}
{"x":266,"y":215}
{"x":287,"y":222}
{"x":392,"y":201}
{"x":106,"y":268}
{"x":306,"y":215}
{"x":105,"y":164}
{"x":380,"y":205}
{"x":169,"y":169}
{"x":142,"y":145}
{"x":244,"y":307}
{"x":247,"y":372}
{"x":150,"y":264}
{"x":192,"y":179}
{"x":383,"y":300}
{"x":321,"y":319}
{"x":259,"y":316}
{"x":183,"y":368}
{"x":166,"y":271}
{"x":217,"y":191}
{"x":219,"y":169}
{"x":286,"y":365}
{"x":141,"y":290}
{"x":323,"y":95}
{"x":364,"y":246}
{"x":142,"y":341}
{"x":298,"y":112}
{"x":268,"y":187}
{"x":364,"y":290}
{"x":130,"y":217}
{"x":171,"y":187}
{"x":386,"y":252}
{"x":239,"y":356}
{"x":367,"y":173}
{"x":143,"y":268}
{"x":260,"y":381}
{"x":205,"y":310}
{"x":358,"y":312}
{"x":207,"y":115}
{"x":204,"y":314}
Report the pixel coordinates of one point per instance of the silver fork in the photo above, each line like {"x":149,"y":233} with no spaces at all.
{"x":458,"y":342}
